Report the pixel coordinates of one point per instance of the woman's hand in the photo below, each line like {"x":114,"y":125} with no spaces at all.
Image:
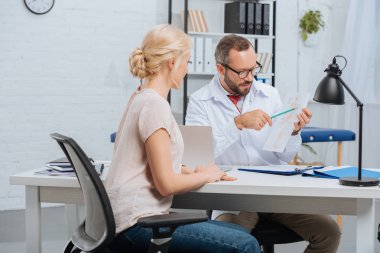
{"x":214,"y":173}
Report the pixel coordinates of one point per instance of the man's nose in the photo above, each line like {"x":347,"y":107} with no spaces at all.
{"x":249,"y":77}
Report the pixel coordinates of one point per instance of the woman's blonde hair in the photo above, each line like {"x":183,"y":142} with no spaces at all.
{"x":162,"y":43}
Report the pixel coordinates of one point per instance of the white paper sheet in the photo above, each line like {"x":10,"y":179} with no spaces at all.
{"x":283,"y":125}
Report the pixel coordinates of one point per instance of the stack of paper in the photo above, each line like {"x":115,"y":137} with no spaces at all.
{"x":62,"y":167}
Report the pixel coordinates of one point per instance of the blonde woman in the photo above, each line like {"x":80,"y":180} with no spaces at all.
{"x":146,"y":167}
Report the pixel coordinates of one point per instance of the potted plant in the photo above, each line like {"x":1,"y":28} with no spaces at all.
{"x":311,"y":23}
{"x":297,"y":160}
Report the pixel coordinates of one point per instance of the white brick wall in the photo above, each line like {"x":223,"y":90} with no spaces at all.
{"x":65,"y":71}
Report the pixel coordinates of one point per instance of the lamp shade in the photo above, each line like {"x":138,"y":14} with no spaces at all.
{"x":329,"y":91}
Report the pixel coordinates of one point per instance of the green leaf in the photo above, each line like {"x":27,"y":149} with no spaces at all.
{"x":310,"y":23}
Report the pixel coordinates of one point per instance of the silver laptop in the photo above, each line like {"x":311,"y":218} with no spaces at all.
{"x":199,"y":148}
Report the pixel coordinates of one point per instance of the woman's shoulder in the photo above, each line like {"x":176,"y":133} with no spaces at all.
{"x":148,"y":100}
{"x":150,"y":97}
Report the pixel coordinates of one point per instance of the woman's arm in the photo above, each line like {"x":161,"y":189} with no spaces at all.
{"x":165,"y":179}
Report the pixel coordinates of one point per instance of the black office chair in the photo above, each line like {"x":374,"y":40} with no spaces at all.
{"x":98,"y":228}
{"x":269,"y":233}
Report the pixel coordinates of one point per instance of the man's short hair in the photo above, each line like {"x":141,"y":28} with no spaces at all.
{"x":227,"y":43}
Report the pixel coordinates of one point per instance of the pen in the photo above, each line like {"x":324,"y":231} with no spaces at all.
{"x":281,"y":113}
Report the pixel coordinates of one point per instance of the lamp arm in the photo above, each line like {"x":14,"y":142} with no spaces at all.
{"x":358,"y":102}
{"x":360,"y":105}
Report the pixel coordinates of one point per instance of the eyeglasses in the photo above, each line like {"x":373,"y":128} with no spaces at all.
{"x":243,"y":74}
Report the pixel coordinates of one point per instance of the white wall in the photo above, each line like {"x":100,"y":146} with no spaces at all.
{"x":65,"y":71}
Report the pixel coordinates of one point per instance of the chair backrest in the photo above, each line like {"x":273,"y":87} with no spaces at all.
{"x":98,"y":228}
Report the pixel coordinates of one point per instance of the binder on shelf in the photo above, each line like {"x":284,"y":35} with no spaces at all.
{"x":250,"y":18}
{"x":191,"y":65}
{"x":208,"y":55}
{"x":266,"y":17}
{"x":235,"y":17}
{"x":199,"y":55}
{"x":258,"y":19}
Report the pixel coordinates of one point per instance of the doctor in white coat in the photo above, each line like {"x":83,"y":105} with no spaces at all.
{"x":237,"y":107}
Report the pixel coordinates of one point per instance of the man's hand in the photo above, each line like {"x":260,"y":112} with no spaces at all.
{"x":255,"y":119}
{"x":303,"y":119}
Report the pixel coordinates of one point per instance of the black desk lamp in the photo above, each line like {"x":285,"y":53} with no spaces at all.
{"x":330,"y":91}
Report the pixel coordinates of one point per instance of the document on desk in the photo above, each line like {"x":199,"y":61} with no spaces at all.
{"x":283,"y":125}
{"x":68,"y":171}
{"x":285,"y":170}
{"x":342,"y":171}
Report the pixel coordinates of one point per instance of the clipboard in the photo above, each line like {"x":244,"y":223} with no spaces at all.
{"x":283,"y":170}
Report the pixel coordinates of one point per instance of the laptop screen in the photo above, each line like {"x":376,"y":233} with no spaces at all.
{"x":198,"y":142}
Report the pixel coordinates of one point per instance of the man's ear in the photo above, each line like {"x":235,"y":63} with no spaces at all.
{"x":221,"y":70}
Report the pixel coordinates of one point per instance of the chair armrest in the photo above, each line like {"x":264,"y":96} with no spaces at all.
{"x":171,"y":219}
{"x":163,"y":227}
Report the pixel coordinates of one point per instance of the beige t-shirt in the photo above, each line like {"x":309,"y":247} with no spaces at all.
{"x":129,"y":183}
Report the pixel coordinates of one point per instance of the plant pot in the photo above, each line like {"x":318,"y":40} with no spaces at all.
{"x":312,"y":40}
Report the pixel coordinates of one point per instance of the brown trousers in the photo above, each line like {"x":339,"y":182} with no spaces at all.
{"x":321,"y":231}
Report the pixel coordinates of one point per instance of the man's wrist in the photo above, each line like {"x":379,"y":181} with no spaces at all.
{"x":238,"y":122}
{"x":296,"y":132}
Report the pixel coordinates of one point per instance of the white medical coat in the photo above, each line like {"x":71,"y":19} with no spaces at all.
{"x":209,"y":106}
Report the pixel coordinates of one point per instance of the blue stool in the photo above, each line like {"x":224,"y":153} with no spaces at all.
{"x":317,"y":134}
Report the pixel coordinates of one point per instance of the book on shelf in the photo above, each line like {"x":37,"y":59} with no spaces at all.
{"x":196,"y":21}
{"x":201,"y":20}
{"x":265,"y":60}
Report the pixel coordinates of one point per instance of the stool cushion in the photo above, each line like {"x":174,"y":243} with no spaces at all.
{"x":317,"y":134}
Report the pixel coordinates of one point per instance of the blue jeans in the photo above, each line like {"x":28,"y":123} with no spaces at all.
{"x":203,"y":237}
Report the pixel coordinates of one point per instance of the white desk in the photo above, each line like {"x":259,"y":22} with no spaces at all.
{"x":251,"y":192}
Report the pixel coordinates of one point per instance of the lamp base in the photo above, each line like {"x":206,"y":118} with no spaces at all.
{"x":354,"y":181}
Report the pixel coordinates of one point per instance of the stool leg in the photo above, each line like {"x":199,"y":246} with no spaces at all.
{"x":339,"y":217}
{"x":339,"y":153}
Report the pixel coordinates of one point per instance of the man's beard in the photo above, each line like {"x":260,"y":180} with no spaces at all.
{"x":235,"y":88}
